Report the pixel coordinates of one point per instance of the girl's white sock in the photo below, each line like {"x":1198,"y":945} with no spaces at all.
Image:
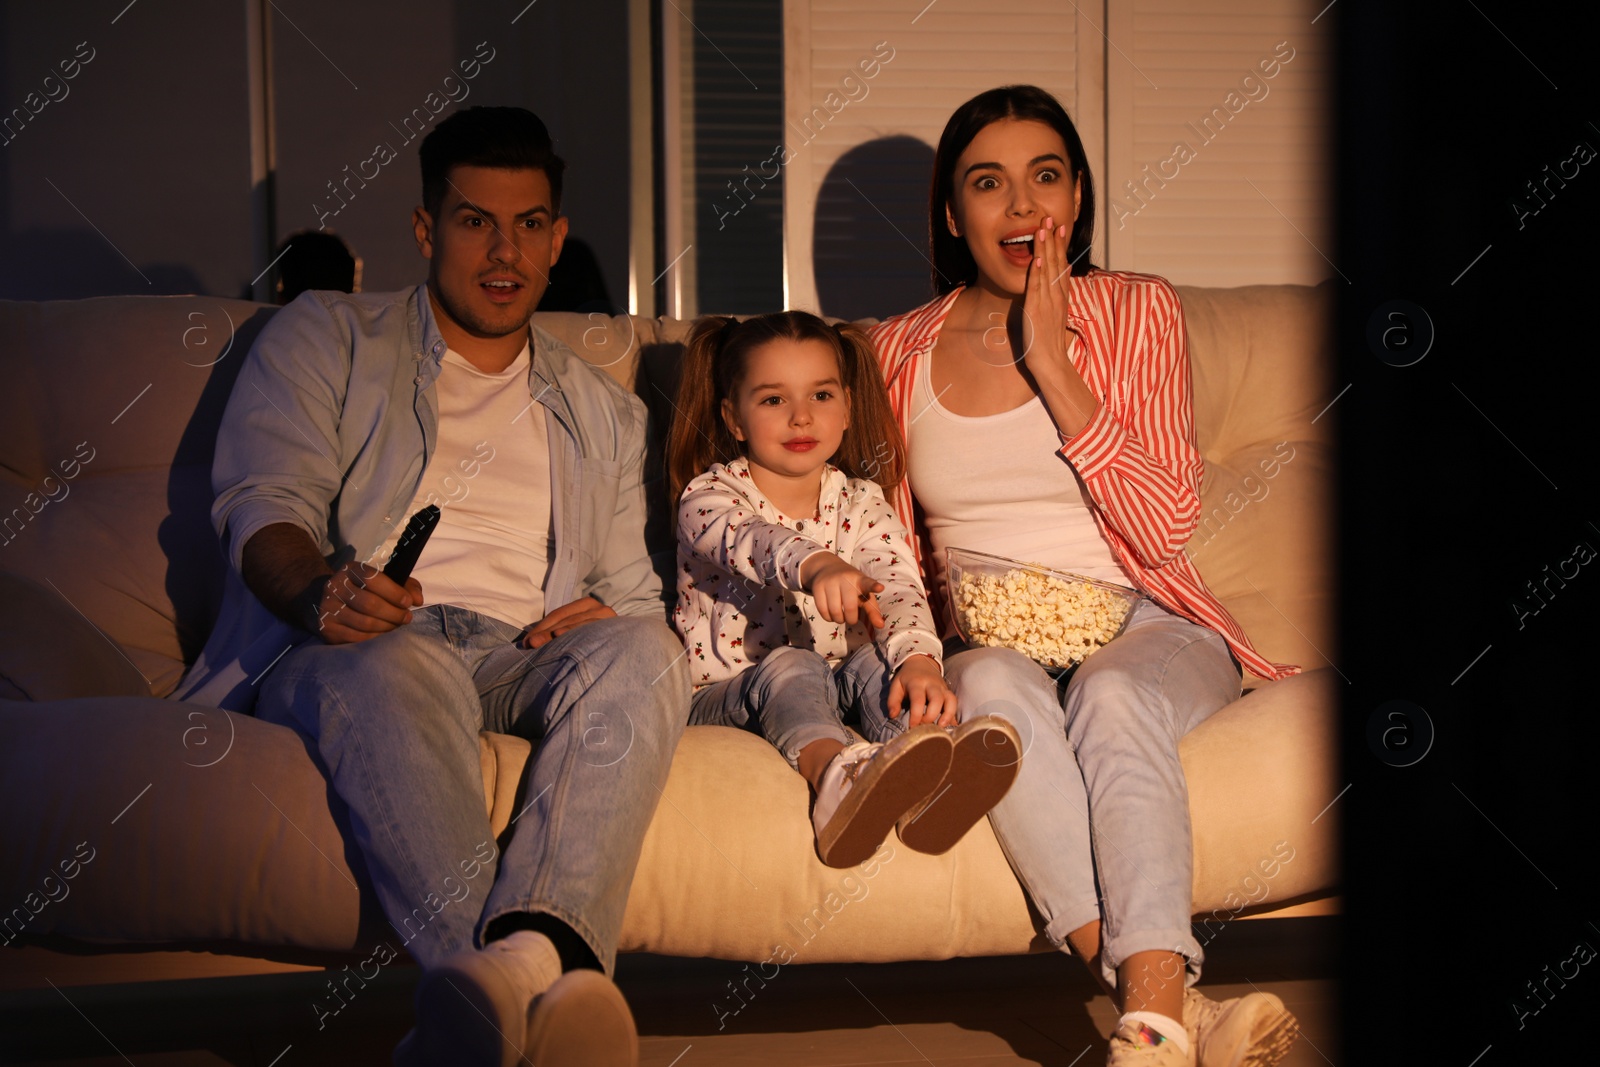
{"x":1165,"y":1025}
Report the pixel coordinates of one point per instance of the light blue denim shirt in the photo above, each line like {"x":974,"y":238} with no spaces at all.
{"x":330,"y":426}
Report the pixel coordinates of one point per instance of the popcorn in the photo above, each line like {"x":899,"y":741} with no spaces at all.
{"x":1048,"y":619}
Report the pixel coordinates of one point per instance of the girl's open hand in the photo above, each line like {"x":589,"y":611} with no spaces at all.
{"x":920,"y":684}
{"x":843,"y":594}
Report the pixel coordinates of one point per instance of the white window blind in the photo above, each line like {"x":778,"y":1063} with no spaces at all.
{"x":1217,"y":170}
{"x":856,"y":189}
{"x":1247,"y":203}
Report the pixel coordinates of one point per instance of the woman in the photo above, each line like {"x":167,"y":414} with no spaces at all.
{"x":1047,"y":408}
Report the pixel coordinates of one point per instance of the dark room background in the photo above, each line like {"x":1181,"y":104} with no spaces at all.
{"x":139,"y":173}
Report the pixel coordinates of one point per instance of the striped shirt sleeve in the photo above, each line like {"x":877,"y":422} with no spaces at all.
{"x":1137,"y":455}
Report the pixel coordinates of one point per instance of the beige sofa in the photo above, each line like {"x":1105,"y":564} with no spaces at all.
{"x":182,"y":841}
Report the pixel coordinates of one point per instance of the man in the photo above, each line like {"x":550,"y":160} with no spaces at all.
{"x":352,"y":412}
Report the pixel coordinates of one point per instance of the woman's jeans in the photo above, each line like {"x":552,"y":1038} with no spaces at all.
{"x":395,"y":721}
{"x":792,"y":697}
{"x":1100,"y":796}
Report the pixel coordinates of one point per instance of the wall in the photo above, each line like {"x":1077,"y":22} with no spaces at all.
{"x":1250,"y":204}
{"x":151,"y":144}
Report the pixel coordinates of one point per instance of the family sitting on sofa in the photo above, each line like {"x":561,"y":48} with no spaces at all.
{"x":1037,"y":408}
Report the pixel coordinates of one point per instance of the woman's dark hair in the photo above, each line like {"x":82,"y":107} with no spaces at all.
{"x":714,"y":361}
{"x":953,"y":264}
{"x":506,"y":138}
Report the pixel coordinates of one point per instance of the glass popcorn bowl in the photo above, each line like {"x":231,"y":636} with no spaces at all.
{"x":1055,"y":618}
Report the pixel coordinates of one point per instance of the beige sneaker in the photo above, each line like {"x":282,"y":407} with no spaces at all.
{"x":472,"y":1010}
{"x":1131,"y":1047}
{"x":868,"y":786}
{"x":987,"y":756}
{"x":581,"y":1021}
{"x":1254,"y":1030}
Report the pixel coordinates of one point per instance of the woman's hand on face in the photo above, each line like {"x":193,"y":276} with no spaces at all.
{"x":843,"y":594}
{"x":1044,"y":331}
{"x":1045,"y":303}
{"x":920,"y":684}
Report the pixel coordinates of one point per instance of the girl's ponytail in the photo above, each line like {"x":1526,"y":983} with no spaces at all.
{"x":699,"y":437}
{"x":873,"y":447}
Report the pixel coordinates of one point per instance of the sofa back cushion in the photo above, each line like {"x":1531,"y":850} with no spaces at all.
{"x":1260,"y":363}
{"x":113,"y":403}
{"x":1264,"y":543}
{"x":48,"y":651}
{"x":106,"y":432}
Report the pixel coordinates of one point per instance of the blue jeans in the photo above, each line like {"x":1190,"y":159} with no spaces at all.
{"x":792,"y":697}
{"x":395,"y":720}
{"x":1100,"y":796}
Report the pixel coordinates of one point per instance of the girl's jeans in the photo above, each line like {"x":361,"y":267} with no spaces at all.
{"x":792,"y":697}
{"x":395,"y":721}
{"x":1100,"y":796}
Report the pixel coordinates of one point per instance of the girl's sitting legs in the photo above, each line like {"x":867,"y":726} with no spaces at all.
{"x":789,"y":698}
{"x":861,"y":787}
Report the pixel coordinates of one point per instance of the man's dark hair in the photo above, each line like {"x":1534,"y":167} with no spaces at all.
{"x":507,"y":138}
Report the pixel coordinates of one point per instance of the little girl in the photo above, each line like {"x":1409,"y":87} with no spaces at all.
{"x":781,"y":448}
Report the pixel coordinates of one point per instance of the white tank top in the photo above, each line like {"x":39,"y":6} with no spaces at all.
{"x":997,"y":484}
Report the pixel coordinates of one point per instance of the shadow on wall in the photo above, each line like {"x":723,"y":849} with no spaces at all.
{"x":576,"y":282}
{"x":68,"y":264}
{"x":870,"y":238}
{"x":197,"y":566}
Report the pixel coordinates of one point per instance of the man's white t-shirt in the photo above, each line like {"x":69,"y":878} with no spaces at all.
{"x":490,"y":477}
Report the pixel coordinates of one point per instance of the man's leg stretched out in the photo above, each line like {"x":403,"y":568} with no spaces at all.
{"x":395,"y":721}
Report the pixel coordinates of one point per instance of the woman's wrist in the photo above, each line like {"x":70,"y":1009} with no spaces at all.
{"x":1070,"y":402}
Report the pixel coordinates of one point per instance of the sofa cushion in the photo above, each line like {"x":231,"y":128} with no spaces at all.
{"x":1264,"y":540}
{"x":50,"y":651}
{"x":126,"y":393}
{"x":209,"y":826}
{"x":163,"y":367}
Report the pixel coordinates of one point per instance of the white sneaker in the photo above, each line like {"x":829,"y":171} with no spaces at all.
{"x":581,"y":1021}
{"x":1137,"y":1045}
{"x":868,"y":786}
{"x":472,"y":1011}
{"x":1254,"y":1030}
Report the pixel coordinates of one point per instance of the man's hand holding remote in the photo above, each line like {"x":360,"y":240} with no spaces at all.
{"x":356,"y":602}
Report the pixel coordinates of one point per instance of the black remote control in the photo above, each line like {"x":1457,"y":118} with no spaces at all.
{"x":409,"y":548}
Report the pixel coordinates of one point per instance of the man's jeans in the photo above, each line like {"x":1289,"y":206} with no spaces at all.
{"x":794,"y":698}
{"x":396,"y":720}
{"x":1104,"y":756}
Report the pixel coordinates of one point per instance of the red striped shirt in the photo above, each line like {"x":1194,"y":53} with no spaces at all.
{"x":1137,"y":454}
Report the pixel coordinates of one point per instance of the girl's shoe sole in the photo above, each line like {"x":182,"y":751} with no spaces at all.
{"x":907,"y":770}
{"x":986,"y":757}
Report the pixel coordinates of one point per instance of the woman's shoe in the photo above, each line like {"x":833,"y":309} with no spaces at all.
{"x":866,"y":787}
{"x":1136,"y":1045}
{"x":987,"y":755}
{"x":1254,"y":1030}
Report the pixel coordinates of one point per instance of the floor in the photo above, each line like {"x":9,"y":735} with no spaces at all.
{"x":1036,"y":1010}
